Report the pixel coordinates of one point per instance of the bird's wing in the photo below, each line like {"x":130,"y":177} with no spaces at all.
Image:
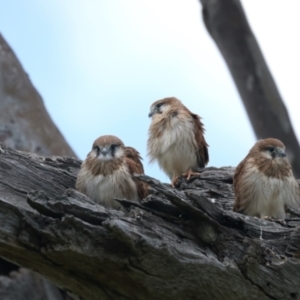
{"x":239,"y":204}
{"x":135,"y":166}
{"x":202,"y":146}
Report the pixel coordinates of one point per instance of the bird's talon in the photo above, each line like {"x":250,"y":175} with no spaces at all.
{"x":189,"y":174}
{"x":174,"y":181}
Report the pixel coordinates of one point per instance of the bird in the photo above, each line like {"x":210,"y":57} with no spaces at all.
{"x":264,"y":183}
{"x":176,"y":139}
{"x":107,"y":173}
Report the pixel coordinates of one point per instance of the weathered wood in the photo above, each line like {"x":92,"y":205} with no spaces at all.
{"x":24,"y":121}
{"x":24,"y":125}
{"x":227,"y":24}
{"x":27,"y":285}
{"x":176,"y":244}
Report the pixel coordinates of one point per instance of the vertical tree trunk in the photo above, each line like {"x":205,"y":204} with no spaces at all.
{"x":24,"y":122}
{"x":227,"y":24}
{"x":25,"y":125}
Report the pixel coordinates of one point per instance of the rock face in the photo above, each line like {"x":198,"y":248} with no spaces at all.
{"x":177,"y":244}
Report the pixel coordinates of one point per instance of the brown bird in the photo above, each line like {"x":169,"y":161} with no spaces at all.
{"x":176,"y":139}
{"x":107,"y":173}
{"x":264,"y":183}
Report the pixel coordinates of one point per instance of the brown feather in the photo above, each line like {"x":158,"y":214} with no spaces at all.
{"x":265,"y":183}
{"x":237,"y":184}
{"x":203,"y":157}
{"x":104,"y":167}
{"x":135,"y":156}
{"x":176,"y":138}
{"x":135,"y":166}
{"x":107,"y":175}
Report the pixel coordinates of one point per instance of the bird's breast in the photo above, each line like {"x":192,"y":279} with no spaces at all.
{"x":268,"y":196}
{"x":175,"y":147}
{"x":172,"y":132}
{"x":104,"y":189}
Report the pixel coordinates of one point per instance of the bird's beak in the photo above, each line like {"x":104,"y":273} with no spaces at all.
{"x":104,"y":151}
{"x":281,"y":153}
{"x":151,"y":113}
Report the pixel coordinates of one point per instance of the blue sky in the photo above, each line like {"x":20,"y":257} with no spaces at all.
{"x":100,"y":64}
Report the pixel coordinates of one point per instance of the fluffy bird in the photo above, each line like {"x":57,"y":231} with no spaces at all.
{"x":107,"y":173}
{"x":176,"y":139}
{"x":264,"y":183}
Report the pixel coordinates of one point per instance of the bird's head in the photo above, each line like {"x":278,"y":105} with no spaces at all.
{"x":163,"y":106}
{"x":107,"y":148}
{"x":270,"y":148}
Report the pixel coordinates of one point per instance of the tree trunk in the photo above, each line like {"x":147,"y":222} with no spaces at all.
{"x":27,"y":285}
{"x":25,"y":125}
{"x":24,"y":122}
{"x":176,"y":244}
{"x":227,"y":24}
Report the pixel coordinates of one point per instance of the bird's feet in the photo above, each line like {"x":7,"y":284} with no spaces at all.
{"x":174,"y":181}
{"x":267,"y":218}
{"x":271,"y":219}
{"x":190,"y":173}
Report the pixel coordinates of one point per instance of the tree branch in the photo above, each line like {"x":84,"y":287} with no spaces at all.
{"x":227,"y":24}
{"x":176,"y":244}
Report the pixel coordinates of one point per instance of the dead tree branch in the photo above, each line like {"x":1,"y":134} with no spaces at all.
{"x":177,"y":244}
{"x":227,"y":24}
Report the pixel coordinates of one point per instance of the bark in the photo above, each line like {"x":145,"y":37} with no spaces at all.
{"x":176,"y":244}
{"x":24,"y":122}
{"x":227,"y":24}
{"x":25,"y":125}
{"x":31,"y":285}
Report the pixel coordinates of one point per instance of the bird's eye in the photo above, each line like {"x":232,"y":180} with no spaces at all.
{"x":159,"y":105}
{"x":271,"y":149}
{"x":97,"y":148}
{"x":113,"y":146}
